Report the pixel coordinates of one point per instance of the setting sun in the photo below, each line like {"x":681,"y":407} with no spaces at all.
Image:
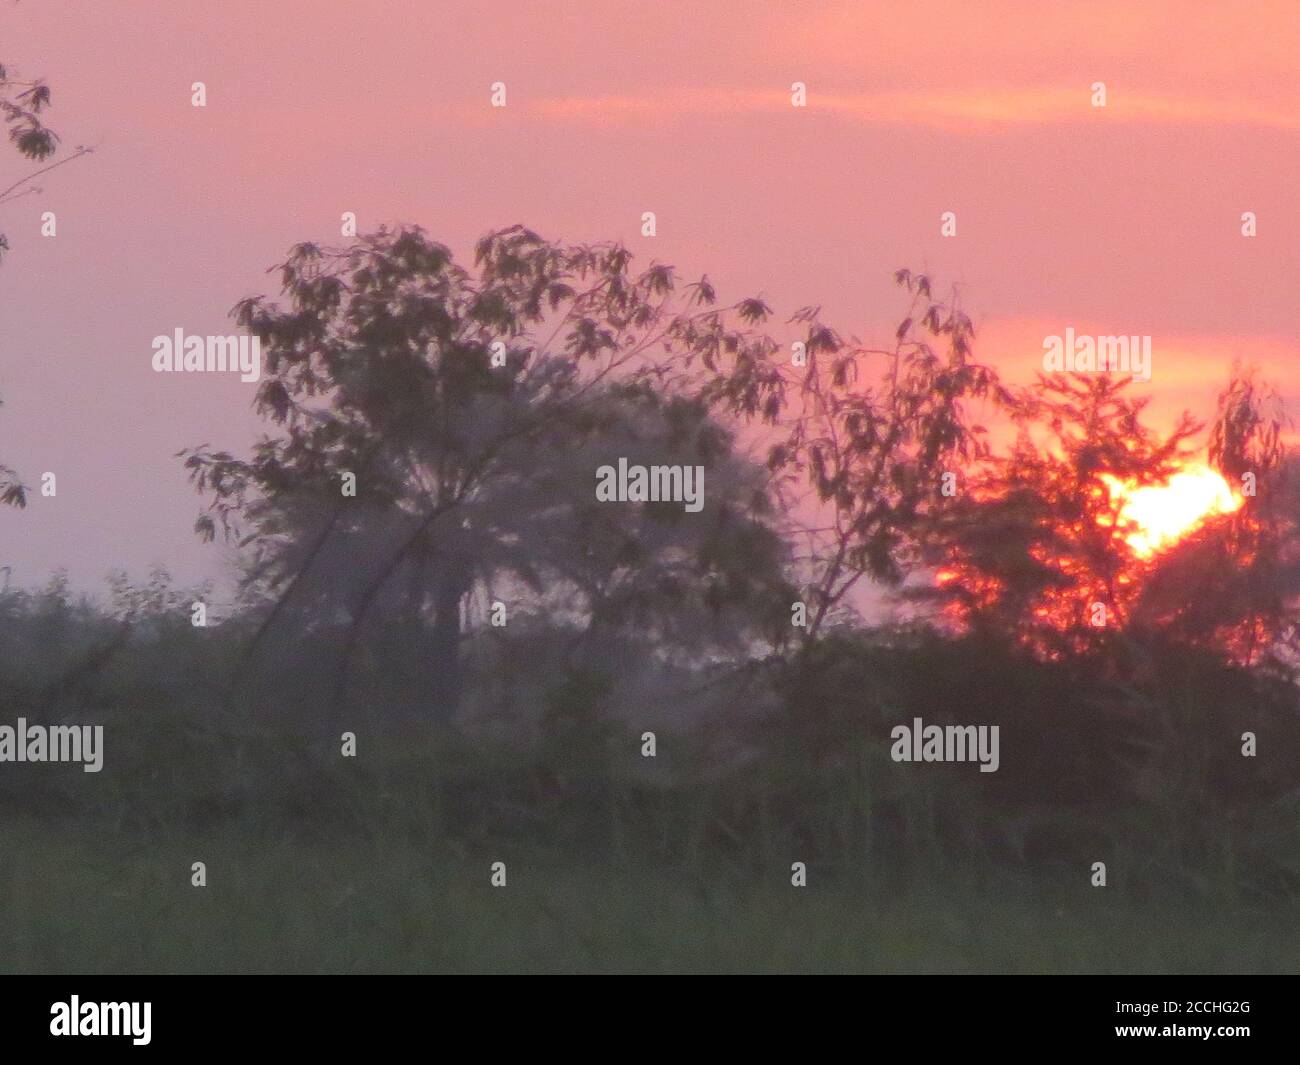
{"x":1163,"y":513}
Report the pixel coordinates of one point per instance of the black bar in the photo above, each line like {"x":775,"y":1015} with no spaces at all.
{"x":359,"y":1014}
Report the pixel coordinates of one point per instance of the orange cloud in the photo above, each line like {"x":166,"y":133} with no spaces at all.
{"x":1187,"y":371}
{"x":957,"y":111}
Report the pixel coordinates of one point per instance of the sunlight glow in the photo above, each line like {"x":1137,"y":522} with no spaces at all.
{"x":1161,"y":514}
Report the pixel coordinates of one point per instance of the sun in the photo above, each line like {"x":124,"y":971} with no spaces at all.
{"x":1161,"y":514}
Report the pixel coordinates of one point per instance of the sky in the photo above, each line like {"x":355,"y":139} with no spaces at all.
{"x":1122,"y":219}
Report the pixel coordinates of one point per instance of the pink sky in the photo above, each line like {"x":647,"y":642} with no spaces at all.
{"x":1117,"y":220}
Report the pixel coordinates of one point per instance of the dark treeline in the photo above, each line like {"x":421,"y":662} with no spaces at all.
{"x":648,"y":713}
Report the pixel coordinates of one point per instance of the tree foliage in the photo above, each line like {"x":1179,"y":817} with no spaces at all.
{"x":1038,"y":550}
{"x":861,"y":436}
{"x":473,"y":408}
{"x":22,"y":104}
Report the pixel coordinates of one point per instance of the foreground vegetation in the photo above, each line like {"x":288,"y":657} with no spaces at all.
{"x":618,"y":862}
{"x":80,"y":902}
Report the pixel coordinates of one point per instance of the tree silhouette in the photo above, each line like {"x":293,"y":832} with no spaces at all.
{"x":863,"y":436}
{"x":1037,"y":550}
{"x":22,"y":104}
{"x":21,"y":107}
{"x":1233,"y":586}
{"x":473,"y":410}
{"x":12,"y":491}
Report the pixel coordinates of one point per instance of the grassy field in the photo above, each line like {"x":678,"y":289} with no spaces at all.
{"x":80,"y":902}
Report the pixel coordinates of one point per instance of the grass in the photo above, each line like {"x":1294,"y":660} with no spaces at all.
{"x":76,"y":901}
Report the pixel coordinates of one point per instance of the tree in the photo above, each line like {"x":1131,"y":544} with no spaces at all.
{"x":863,"y":435}
{"x":1037,"y":550}
{"x":473,"y":409}
{"x":12,"y":490}
{"x":22,"y":104}
{"x":1234,"y":585}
